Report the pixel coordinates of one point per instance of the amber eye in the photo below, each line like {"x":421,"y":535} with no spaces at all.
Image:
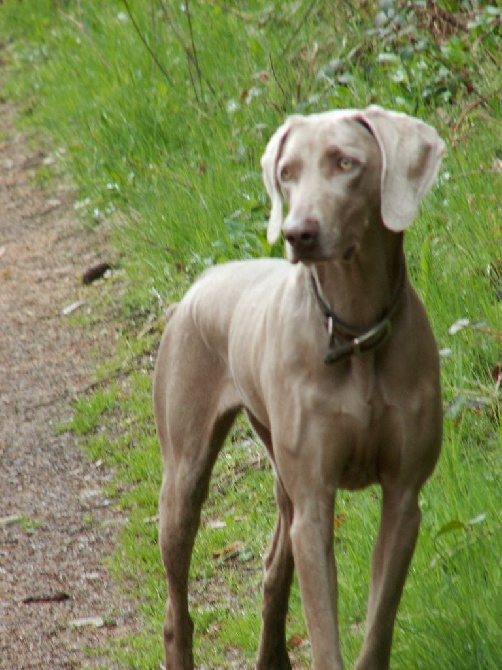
{"x":345,"y":163}
{"x":286,"y":173}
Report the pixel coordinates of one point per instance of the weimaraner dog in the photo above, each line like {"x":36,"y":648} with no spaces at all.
{"x":333,"y":359}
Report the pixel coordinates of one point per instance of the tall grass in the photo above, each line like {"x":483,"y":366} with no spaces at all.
{"x":165,"y":139}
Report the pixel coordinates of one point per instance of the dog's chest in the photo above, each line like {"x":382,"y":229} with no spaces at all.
{"x":352,"y":390}
{"x":369,"y":427}
{"x":354,"y":444}
{"x":362,"y":396}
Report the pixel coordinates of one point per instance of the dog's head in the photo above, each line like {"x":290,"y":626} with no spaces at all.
{"x":337,"y":169}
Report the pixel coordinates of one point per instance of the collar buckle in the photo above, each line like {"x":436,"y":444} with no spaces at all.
{"x":346,"y":341}
{"x":373,"y":338}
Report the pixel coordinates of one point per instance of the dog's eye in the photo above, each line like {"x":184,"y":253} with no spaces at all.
{"x":345,"y":163}
{"x":286,"y":173}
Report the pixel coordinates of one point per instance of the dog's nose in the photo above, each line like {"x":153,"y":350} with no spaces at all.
{"x":302,"y":234}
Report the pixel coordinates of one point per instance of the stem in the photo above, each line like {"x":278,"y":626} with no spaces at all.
{"x":194,"y":50}
{"x":142,"y":38}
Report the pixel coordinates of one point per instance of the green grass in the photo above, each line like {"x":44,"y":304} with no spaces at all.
{"x":175,"y":166}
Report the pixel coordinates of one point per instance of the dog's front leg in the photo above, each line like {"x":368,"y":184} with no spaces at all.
{"x":391,"y":559}
{"x":312,"y":540}
{"x":279,"y":567}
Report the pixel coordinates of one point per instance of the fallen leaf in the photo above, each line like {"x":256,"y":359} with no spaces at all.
{"x":453,"y":525}
{"x":9,"y":520}
{"x":73,"y":307}
{"x":477,"y":519}
{"x":459,"y":325}
{"x":230,"y":551}
{"x":357,"y":627}
{"x":454,"y":408}
{"x":216,"y":524}
{"x":496,"y":373}
{"x":295,"y":641}
{"x":339,"y":519}
{"x":92,"y":621}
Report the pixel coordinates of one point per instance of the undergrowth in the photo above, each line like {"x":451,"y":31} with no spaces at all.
{"x":160,"y":111}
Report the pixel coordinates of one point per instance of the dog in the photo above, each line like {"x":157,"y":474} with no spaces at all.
{"x":331,"y":355}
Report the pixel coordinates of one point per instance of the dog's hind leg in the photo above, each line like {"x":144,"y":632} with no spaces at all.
{"x":279,"y":568}
{"x":184,"y":489}
{"x":193,"y":420}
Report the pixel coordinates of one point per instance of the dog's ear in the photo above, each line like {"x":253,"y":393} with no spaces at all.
{"x":269,"y":162}
{"x":411,"y":153}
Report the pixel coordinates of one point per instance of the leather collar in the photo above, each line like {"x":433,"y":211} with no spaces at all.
{"x":345,"y":340}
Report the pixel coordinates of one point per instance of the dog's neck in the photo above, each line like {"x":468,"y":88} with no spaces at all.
{"x":358,"y":291}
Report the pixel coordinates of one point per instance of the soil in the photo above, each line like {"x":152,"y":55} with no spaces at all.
{"x":57,"y":527}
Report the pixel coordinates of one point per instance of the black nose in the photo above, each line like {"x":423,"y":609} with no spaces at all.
{"x":303,"y":234}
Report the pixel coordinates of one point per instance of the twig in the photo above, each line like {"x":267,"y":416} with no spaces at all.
{"x":299,"y":27}
{"x":157,"y":245}
{"x":56,"y":597}
{"x":247,"y":18}
{"x":97,"y":383}
{"x":83,"y":30}
{"x":188,"y":52}
{"x":445,"y":15}
{"x":494,"y":59}
{"x":194,"y":50}
{"x":469,"y":109}
{"x":475,"y":394}
{"x":471,"y":173}
{"x":50,"y":208}
{"x":181,"y":41}
{"x":149,"y":49}
{"x":174,"y":28}
{"x":497,"y":334}
{"x":276,"y":78}
{"x":154,"y":29}
{"x":103,"y":381}
{"x":224,"y":479}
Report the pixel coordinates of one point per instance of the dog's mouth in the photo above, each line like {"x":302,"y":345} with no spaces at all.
{"x":309,"y":257}
{"x":318,"y":255}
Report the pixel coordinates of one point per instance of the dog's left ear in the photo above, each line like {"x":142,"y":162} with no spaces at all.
{"x":411,"y":153}
{"x":269,"y":162}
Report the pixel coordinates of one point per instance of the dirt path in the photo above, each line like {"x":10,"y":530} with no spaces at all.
{"x":56,"y":525}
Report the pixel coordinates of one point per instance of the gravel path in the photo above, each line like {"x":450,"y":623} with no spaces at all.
{"x":56,"y":525}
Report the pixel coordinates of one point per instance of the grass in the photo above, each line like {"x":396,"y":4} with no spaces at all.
{"x":166,"y":141}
